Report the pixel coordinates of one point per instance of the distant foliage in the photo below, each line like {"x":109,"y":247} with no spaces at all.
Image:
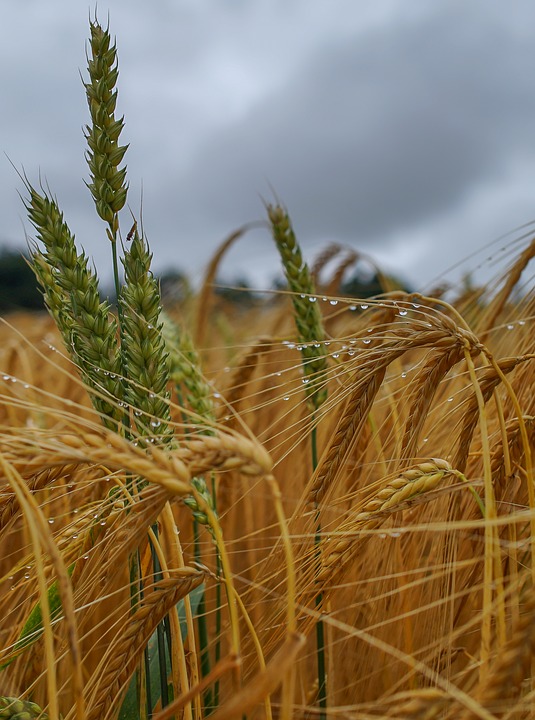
{"x":17,"y":283}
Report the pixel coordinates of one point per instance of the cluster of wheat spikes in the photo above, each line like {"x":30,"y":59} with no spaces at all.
{"x":335,"y":518}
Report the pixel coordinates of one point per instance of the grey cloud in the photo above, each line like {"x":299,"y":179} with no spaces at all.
{"x":382,"y":131}
{"x":373,"y":124}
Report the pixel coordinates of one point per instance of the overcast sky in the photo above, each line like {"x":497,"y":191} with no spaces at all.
{"x":403,"y":129}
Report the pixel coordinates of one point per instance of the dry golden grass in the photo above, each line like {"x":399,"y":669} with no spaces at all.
{"x":423,"y":490}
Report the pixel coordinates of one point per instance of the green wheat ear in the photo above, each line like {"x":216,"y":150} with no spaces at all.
{"x":108,"y":182}
{"x":70,"y":290}
{"x":145,"y":358}
{"x":185,"y":372}
{"x":192,"y":388}
{"x":306,"y":311}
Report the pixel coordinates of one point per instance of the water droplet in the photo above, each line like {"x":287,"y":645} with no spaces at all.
{"x":26,"y":386}
{"x":352,"y":308}
{"x":102,"y":522}
{"x":312,"y":299}
{"x":364,"y":306}
{"x":403,"y":312}
{"x":286,"y":397}
{"x":6,"y":377}
{"x":217,"y":395}
{"x":150,"y":327}
{"x":155,"y":423}
{"x":416,"y":306}
{"x":394,"y":534}
{"x":305,"y":381}
{"x":382,"y":536}
{"x":74,"y":537}
{"x":336,"y":355}
{"x":366,"y":341}
{"x":152,"y":395}
{"x":426,"y":440}
{"x":510,"y":326}
{"x":350,"y":353}
{"x":28,"y":567}
{"x":333,"y":302}
{"x":11,"y":578}
{"x":291,"y":346}
{"x":138,"y":413}
{"x":403,"y":374}
{"x":50,"y":521}
{"x":317,"y":344}
{"x":85,"y":557}
{"x":27,"y":576}
{"x":326,"y":343}
{"x":521,"y":322}
{"x":302,"y":295}
{"x":278,"y":374}
{"x":450,"y":399}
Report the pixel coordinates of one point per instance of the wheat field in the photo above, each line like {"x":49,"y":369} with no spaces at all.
{"x":333,"y":517}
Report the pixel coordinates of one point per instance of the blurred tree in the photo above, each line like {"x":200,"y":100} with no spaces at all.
{"x":18,"y":286}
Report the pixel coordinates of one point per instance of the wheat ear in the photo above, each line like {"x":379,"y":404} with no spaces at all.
{"x":185,"y":371}
{"x":412,"y":482}
{"x":425,"y":387}
{"x":307,"y":314}
{"x":119,"y":661}
{"x":108,"y":183}
{"x":12,"y":708}
{"x":144,"y":353}
{"x":70,"y":290}
{"x":489,"y":380}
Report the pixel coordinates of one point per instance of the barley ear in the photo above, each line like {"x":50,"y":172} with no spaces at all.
{"x":307,"y":314}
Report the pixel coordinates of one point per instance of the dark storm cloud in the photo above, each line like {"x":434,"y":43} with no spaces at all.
{"x":383,"y":131}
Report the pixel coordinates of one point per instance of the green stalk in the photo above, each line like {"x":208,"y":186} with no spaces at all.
{"x":202,"y":624}
{"x":320,"y":625}
{"x":311,"y":335}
